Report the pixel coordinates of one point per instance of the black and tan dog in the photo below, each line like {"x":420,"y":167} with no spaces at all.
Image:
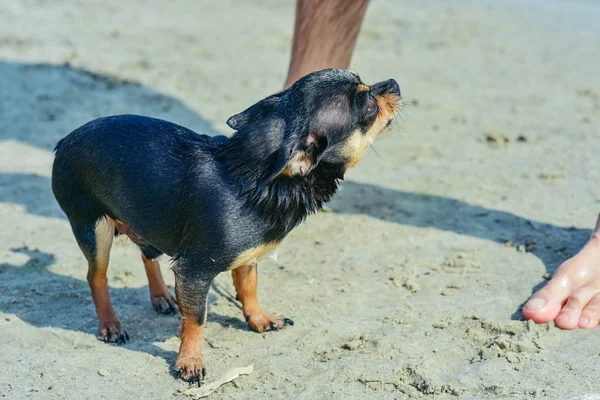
{"x":213,"y":203}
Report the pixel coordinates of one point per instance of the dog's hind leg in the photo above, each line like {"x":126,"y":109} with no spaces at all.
{"x":95,"y":240}
{"x":160,"y":296}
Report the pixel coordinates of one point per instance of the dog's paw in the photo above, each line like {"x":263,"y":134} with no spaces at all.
{"x":111,"y":332}
{"x":164,"y":304}
{"x":191,"y":369}
{"x":267,"y":322}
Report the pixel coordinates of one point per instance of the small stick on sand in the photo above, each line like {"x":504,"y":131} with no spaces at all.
{"x":228,"y":376}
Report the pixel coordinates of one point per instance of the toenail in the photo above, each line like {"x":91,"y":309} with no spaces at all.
{"x":564,"y":319}
{"x":584,"y":321}
{"x":536,"y":304}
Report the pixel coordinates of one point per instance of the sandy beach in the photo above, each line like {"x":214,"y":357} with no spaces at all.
{"x":410,"y":285}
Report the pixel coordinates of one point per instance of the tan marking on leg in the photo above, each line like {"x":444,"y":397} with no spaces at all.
{"x":245,"y":281}
{"x":191,"y":333}
{"x":251,"y":256}
{"x":109,"y":325}
{"x":105,"y":232}
{"x":190,"y":359}
{"x":161,"y":298}
{"x":353,"y":72}
{"x":156,"y":283}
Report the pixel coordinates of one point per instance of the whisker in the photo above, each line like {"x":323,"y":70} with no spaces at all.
{"x":378,"y":155}
{"x":405,"y":110}
{"x":395,"y":123}
{"x":400,"y":116}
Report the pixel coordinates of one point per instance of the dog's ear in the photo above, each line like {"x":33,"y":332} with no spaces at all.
{"x":254,"y":113}
{"x":297,"y":159}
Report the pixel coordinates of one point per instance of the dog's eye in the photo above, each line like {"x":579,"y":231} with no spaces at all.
{"x":371,"y":106}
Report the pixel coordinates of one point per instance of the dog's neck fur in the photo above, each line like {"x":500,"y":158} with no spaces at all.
{"x":285,"y":201}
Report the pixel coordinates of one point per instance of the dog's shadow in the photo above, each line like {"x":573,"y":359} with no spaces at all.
{"x":43,"y":298}
{"x":41,"y":103}
{"x":550,"y":243}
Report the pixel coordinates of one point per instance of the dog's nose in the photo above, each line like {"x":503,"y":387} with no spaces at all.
{"x":392,"y":87}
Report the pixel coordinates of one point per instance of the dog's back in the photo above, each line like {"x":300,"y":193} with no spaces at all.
{"x":129,"y":168}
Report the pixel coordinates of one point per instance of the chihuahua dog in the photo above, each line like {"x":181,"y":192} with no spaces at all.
{"x":213,"y":203}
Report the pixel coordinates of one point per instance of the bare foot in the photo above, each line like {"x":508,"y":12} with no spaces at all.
{"x":572,"y":297}
{"x":266,"y":322}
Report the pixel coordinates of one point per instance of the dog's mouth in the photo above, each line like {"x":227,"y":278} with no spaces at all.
{"x":392,"y":102}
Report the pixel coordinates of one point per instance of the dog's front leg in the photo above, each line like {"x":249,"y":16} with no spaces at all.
{"x":191,"y":289}
{"x":245,"y":281}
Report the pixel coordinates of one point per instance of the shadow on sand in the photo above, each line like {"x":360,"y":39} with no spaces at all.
{"x":46,"y":299}
{"x":552,"y":244}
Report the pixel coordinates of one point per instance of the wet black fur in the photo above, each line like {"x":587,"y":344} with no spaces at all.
{"x":204,"y":200}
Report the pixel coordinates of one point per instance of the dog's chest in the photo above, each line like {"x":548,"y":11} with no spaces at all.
{"x":255,"y":254}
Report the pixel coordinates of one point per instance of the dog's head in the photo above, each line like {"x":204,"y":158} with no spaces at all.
{"x":328,"y":116}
